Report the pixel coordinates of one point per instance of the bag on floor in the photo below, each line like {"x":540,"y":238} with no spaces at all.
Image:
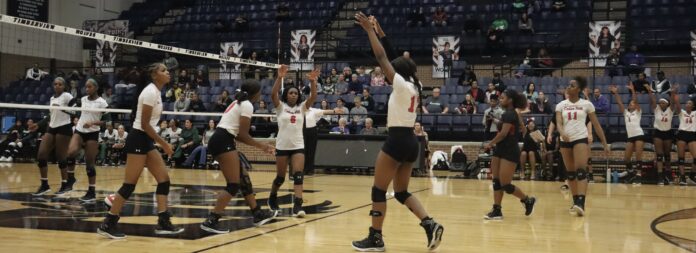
{"x":438,"y":161}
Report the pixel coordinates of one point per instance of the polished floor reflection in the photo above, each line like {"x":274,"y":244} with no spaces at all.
{"x":620,"y":218}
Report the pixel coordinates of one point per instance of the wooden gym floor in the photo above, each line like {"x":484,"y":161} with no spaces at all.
{"x":619,"y":217}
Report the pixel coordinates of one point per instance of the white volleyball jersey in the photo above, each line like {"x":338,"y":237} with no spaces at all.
{"x":402,"y":103}
{"x":150,"y":96}
{"x":290,"y":120}
{"x":88,"y":117}
{"x":312,"y":116}
{"x":632,"y":120}
{"x":231,"y":118}
{"x":574,"y":116}
{"x":686,"y":121}
{"x":663,"y":119}
{"x":59,"y":117}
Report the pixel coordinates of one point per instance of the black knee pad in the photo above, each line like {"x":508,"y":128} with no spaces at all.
{"x":496,"y":184}
{"x":246,"y":187}
{"x":91,"y":172}
{"x":71,"y":162}
{"x":232,"y":188}
{"x":298,"y":178}
{"x":581,"y":174}
{"x":126,"y":190}
{"x":402,"y":196}
{"x":163,"y":188}
{"x":682,"y":161}
{"x":42,"y":163}
{"x":62,"y":164}
{"x":278,"y":181}
{"x":572,"y":175}
{"x":509,"y":188}
{"x":378,"y":195}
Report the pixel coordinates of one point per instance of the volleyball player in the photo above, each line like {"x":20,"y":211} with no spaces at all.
{"x":55,"y":139}
{"x":141,"y":152}
{"x":635,"y":141}
{"x":663,"y":136}
{"x":400,"y":151}
{"x":571,"y":114}
{"x":291,"y":111}
{"x":234,"y":125}
{"x":87,"y":136}
{"x":686,"y":136}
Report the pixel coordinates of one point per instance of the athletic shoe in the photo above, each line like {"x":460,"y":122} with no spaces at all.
{"x":579,"y":210}
{"x":165,"y":226}
{"x":89,"y":197}
{"x":528,"y":205}
{"x":297,"y":210}
{"x":63,"y":189}
{"x":433,"y":231}
{"x":637,"y":179}
{"x":262,"y":217}
{"x":666,"y":180}
{"x":43,"y":189}
{"x":3,"y":159}
{"x":70,"y":183}
{"x":572,"y":210}
{"x":109,"y":227}
{"x":564,"y":187}
{"x":8,"y":159}
{"x":495,"y":214}
{"x":273,"y":202}
{"x":372,"y":243}
{"x":212,"y":224}
{"x":590,"y":178}
{"x":682,"y":180}
{"x":690,"y":181}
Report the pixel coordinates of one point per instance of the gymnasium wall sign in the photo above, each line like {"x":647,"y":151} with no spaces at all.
{"x":231,"y":50}
{"x":29,"y":9}
{"x":302,"y":43}
{"x":604,"y":36}
{"x":445,"y":51}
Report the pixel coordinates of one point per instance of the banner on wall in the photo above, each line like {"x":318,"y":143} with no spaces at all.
{"x":693,"y":51}
{"x":302,"y":49}
{"x":105,"y":56}
{"x":604,"y":36}
{"x":230,"y":49}
{"x":106,"y":52}
{"x":445,"y":51}
{"x":29,"y":9}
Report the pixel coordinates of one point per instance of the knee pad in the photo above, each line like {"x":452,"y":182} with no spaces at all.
{"x":246,"y":187}
{"x":496,"y":184}
{"x":581,"y":174}
{"x":278,"y":181}
{"x":298,"y":178}
{"x":232,"y":188}
{"x":402,"y":196}
{"x":682,"y":161}
{"x":163,"y":188}
{"x":91,"y":172}
{"x":126,"y":190}
{"x":71,"y":162}
{"x":42,"y":163}
{"x":62,"y":164}
{"x":378,"y":195}
{"x":572,"y":175}
{"x":509,"y":188}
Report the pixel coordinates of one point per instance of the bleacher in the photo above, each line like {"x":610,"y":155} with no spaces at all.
{"x":659,"y":23}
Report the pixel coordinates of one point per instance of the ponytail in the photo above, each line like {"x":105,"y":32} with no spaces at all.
{"x":249,"y":89}
{"x":519,"y":101}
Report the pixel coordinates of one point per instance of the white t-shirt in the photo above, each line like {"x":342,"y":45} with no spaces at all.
{"x":632,"y":120}
{"x":230,"y":119}
{"x":121,"y":139}
{"x":686,"y":121}
{"x":663,"y":119}
{"x":109,"y":136}
{"x":402,"y":103}
{"x":172,"y":134}
{"x":313,"y":116}
{"x":574,"y":117}
{"x":86,"y":117}
{"x":59,"y":117}
{"x":150,"y":96}
{"x":290,"y":120}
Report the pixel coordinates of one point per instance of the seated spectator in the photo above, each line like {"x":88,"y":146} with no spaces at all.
{"x":499,"y":84}
{"x":182,"y":104}
{"x":9,"y":147}
{"x":329,"y":87}
{"x":525,"y":24}
{"x":189,"y":140}
{"x":359,"y":114}
{"x":107,"y":140}
{"x":342,"y":87}
{"x":477,"y":94}
{"x":367,"y":101}
{"x":108,"y":96}
{"x":661,"y":85}
{"x":347,"y":74}
{"x":324,"y":106}
{"x":614,"y":65}
{"x":355,"y":87}
{"x":341,"y":128}
{"x":183,"y":78}
{"x":369,"y":128}
{"x":341,"y":111}
{"x":196,"y":105}
{"x":541,"y":105}
{"x":439,"y":17}
{"x":558,"y":5}
{"x":173,"y":133}
{"x":74,"y":90}
{"x":469,"y":106}
{"x":416,"y":17}
{"x":600,"y":102}
{"x":118,"y":156}
{"x":530,"y":93}
{"x":471,"y":24}
{"x":435,"y":104}
{"x":525,"y":67}
{"x":223,"y":101}
{"x":171,"y":62}
{"x":377,"y":77}
{"x":241,"y":24}
{"x":36,"y":74}
{"x":363,"y":77}
{"x":200,"y":80}
{"x":545,"y":63}
{"x":202,"y":150}
{"x":641,"y":84}
{"x":634,"y":61}
{"x":262,"y":109}
{"x":491,"y":91}
{"x":495,"y":42}
{"x":467,"y":76}
{"x":499,"y":24}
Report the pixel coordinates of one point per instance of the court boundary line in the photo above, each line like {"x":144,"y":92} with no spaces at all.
{"x":665,"y":236}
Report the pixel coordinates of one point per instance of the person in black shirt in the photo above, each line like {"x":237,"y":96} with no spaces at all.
{"x":506,"y":155}
{"x":196,"y":104}
{"x":531,"y":150}
{"x":367,"y":101}
{"x":641,"y":85}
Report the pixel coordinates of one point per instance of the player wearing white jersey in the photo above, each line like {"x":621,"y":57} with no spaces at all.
{"x":663,"y":135}
{"x":686,"y":137}
{"x":636,"y":137}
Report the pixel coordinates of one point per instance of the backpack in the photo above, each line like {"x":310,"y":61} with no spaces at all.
{"x":439,"y":161}
{"x":459,"y":160}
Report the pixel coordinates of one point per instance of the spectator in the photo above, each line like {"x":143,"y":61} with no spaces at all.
{"x":173,"y":133}
{"x":471,"y":24}
{"x":355,"y":87}
{"x":189,"y":91}
{"x":363,"y":77}
{"x":189,"y":140}
{"x":530,"y":92}
{"x":202,"y":150}
{"x":262,"y":109}
{"x":439,"y":17}
{"x":223,"y":101}
{"x":74,"y":90}
{"x":435,"y":104}
{"x":541,"y":105}
{"x":377,"y":77}
{"x":500,"y":24}
{"x":600,"y":102}
{"x":36,"y":74}
{"x":183,"y":78}
{"x":613,"y":66}
{"x":241,"y":23}
{"x":467,"y":76}
{"x":340,"y":110}
{"x":477,"y":94}
{"x":545,"y":62}
{"x":108,"y":95}
{"x":525,"y":68}
{"x":182,"y":104}
{"x":491,"y":118}
{"x":359,"y":114}
{"x":341,"y":128}
{"x":10,"y":146}
{"x":331,"y":81}
{"x":661,"y":85}
{"x":200,"y":80}
{"x":347,"y":74}
{"x":324,"y":106}
{"x":369,"y":129}
{"x":107,"y":140}
{"x":525,"y":24}
{"x":117,"y":148}
{"x":420,"y":132}
{"x":447,"y":55}
{"x":100,"y":78}
{"x":641,"y":84}
{"x":367,"y":101}
{"x":283,"y":12}
{"x":490,"y":92}
{"x":416,"y":17}
{"x":558,"y":5}
{"x":342,"y":87}
{"x":634,"y":61}
{"x":468,"y":106}
{"x":495,"y":42}
{"x":171,"y":62}
{"x":196,"y":105}
{"x":499,"y":84}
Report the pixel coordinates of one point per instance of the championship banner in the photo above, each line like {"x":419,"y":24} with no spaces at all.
{"x":604,"y":36}
{"x":302,"y":43}
{"x":445,"y":51}
{"x":231,"y":49}
{"x":106,"y":52}
{"x":693,"y":51}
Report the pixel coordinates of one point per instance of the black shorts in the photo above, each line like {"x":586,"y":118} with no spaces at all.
{"x":62,"y":130}
{"x":685,"y":136}
{"x":663,"y":135}
{"x":401,"y":144}
{"x":93,"y":136}
{"x":289,"y":152}
{"x":511,"y":154}
{"x":221,"y":142}
{"x":138,"y":142}
{"x":573,"y":143}
{"x":636,"y":138}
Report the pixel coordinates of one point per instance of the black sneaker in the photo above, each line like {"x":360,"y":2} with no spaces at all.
{"x":64,"y":189}
{"x":372,"y":243}
{"x":637,"y":179}
{"x":495,"y":214}
{"x":165,"y":226}
{"x":666,"y":180}
{"x":43,"y":189}
{"x":90,"y":197}
{"x":212,"y":224}
{"x":682,"y":180}
{"x":528,"y":205}
{"x":297,"y":210}
{"x":70,"y":183}
{"x":109,"y":228}
{"x":273,"y":202}
{"x":590,"y":178}
{"x":434,"y":232}
{"x":262,"y":217}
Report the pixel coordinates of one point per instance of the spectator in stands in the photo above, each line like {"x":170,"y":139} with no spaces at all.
{"x":530,"y":92}
{"x":467,"y":76}
{"x":241,"y":24}
{"x":173,"y":132}
{"x":74,"y":90}
{"x":189,"y":140}
{"x":490,"y":92}
{"x":340,"y":110}
{"x":634,"y":61}
{"x":324,"y":106}
{"x":223,"y":101}
{"x":469,"y":106}
{"x":363,"y":77}
{"x":495,"y":42}
{"x":377,"y":77}
{"x":558,"y":5}
{"x":200,"y":80}
{"x":333,"y":77}
{"x":477,"y":94}
{"x":341,"y":128}
{"x":355,"y":87}
{"x":108,"y":95}
{"x":614,"y":65}
{"x":661,"y":85}
{"x":10,"y":146}
{"x":342,"y":87}
{"x":499,"y":24}
{"x":545,"y":63}
{"x":491,"y":118}
{"x":359,"y":114}
{"x":369,"y":128}
{"x":641,"y":85}
{"x":498,"y":82}
{"x":100,"y":78}
{"x":196,"y":105}
{"x":189,"y":91}
{"x":416,"y":17}
{"x":283,"y":12}
{"x":202,"y":150}
{"x":36,"y":74}
{"x":182,"y":104}
{"x":119,"y":144}
{"x":447,"y":55}
{"x":183,"y":78}
{"x":171,"y":62}
{"x":471,"y":24}
{"x":347,"y":74}
{"x":525,"y":68}
{"x":171,"y":93}
{"x":367,"y":101}
{"x":525,"y":24}
{"x":435,"y":104}
{"x":107,"y":140}
{"x":600,"y":102}
{"x":541,"y":105}
{"x":439,"y":17}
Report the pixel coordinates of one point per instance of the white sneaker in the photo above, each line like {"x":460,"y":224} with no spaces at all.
{"x":215,"y":162}
{"x":3,"y":159}
{"x":8,"y":159}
